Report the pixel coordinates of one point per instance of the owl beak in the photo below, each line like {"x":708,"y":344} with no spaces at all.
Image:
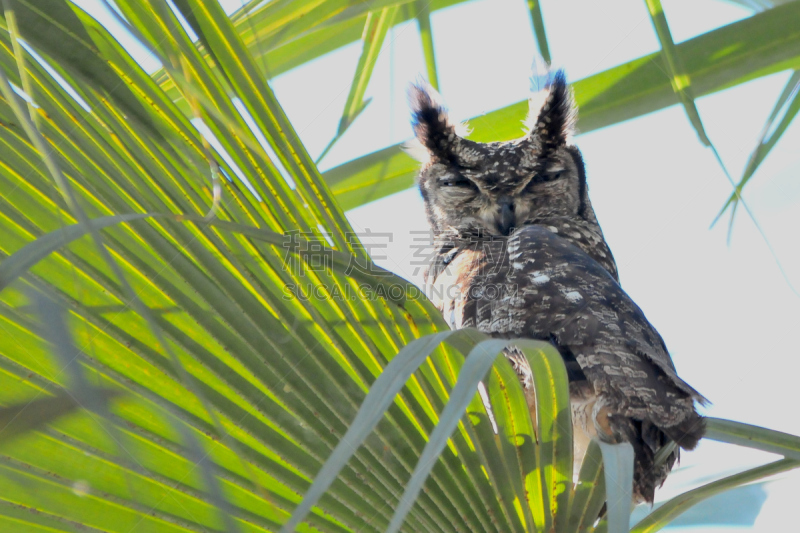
{"x":506,"y":220}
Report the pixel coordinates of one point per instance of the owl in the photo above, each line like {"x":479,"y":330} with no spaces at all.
{"x":519,"y":254}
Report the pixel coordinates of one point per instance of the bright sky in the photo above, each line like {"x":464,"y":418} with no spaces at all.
{"x":726,"y":312}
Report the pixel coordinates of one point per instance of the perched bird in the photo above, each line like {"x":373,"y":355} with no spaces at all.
{"x":519,"y":254}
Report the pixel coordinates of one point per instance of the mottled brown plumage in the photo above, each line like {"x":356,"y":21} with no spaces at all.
{"x":520,"y":254}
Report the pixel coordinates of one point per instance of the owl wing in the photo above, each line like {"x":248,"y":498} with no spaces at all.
{"x":536,"y":284}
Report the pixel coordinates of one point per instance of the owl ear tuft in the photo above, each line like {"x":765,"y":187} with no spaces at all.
{"x":432,"y":125}
{"x":552,"y":113}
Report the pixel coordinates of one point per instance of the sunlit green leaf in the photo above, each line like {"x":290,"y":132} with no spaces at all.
{"x":535,"y":9}
{"x":375,"y":29}
{"x":767,"y":440}
{"x":426,"y":34}
{"x":679,"y":78}
{"x":589,"y":495}
{"x":29,"y":415}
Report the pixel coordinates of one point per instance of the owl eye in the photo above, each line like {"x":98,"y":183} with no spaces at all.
{"x":548,"y":176}
{"x":455,"y":181}
{"x":544,"y":177}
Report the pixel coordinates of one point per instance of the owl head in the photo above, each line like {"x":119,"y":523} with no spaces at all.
{"x":489,"y":189}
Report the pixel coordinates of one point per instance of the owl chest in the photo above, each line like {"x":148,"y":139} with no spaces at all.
{"x":520,"y":287}
{"x":496,"y":292}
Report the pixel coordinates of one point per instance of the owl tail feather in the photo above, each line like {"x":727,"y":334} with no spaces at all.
{"x":688,"y":433}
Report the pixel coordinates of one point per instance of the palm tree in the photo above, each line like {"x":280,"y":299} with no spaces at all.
{"x":194,"y":341}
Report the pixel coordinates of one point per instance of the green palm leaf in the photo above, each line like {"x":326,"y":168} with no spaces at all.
{"x":229,"y":326}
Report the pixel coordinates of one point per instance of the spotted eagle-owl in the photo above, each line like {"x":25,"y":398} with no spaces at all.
{"x":520,"y":254}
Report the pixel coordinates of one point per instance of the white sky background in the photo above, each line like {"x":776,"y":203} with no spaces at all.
{"x":727,"y":314}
